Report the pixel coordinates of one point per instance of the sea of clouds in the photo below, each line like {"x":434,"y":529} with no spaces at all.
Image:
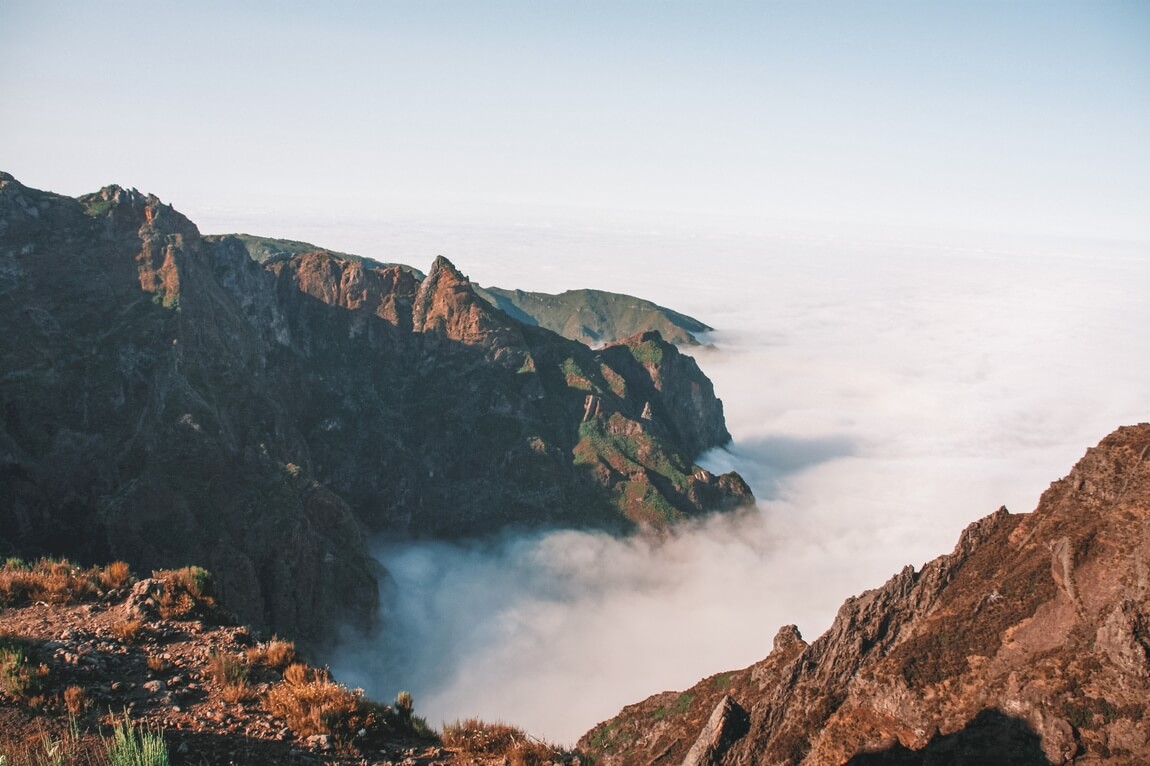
{"x":884,"y":389}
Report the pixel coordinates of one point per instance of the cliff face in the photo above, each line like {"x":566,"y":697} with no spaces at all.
{"x":167,"y":400}
{"x":1028,"y":644}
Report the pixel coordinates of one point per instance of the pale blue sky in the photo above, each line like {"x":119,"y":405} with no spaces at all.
{"x":1014,"y":116}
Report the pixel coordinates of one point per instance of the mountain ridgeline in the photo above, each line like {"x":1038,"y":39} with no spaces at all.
{"x":595,"y":317}
{"x":169,"y":400}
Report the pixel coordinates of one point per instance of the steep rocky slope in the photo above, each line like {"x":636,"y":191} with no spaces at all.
{"x":1028,"y":644}
{"x":166,"y":400}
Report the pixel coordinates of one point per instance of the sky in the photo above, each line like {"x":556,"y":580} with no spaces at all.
{"x":920,"y":229}
{"x":1018,"y":117}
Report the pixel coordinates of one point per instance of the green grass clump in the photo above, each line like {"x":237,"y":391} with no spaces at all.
{"x":18,"y":679}
{"x":678,"y":707}
{"x":577,"y":378}
{"x":99,"y":207}
{"x":129,"y":746}
{"x":647,"y":352}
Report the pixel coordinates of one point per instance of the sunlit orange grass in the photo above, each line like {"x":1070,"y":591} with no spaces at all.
{"x":312,"y":703}
{"x":57,"y":581}
{"x":128,"y":630}
{"x":480,"y":738}
{"x":276,"y":654}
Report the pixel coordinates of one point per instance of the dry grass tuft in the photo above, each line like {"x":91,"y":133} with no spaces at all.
{"x":275,"y":654}
{"x":478,"y":738}
{"x":76,"y":701}
{"x":128,"y":630}
{"x":115,"y":575}
{"x":158,"y":664}
{"x":311,"y":703}
{"x":57,"y":581}
{"x":231,"y":673}
{"x":187,"y":593}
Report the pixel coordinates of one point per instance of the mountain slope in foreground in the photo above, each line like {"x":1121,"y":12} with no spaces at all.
{"x":1028,"y":644}
{"x":83,"y":652}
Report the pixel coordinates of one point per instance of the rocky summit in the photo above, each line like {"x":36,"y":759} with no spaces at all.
{"x":1029,"y":644}
{"x":168,"y":400}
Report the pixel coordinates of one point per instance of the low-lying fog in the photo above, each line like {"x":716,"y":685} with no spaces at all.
{"x":882,"y":394}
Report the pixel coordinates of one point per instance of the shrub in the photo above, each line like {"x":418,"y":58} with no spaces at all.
{"x":158,"y":664}
{"x":115,"y":575}
{"x":75,"y":701}
{"x":128,"y":630}
{"x":274,"y":654}
{"x":310,"y":702}
{"x":231,"y":674}
{"x":57,"y":581}
{"x":187,"y":594}
{"x":18,"y":678}
{"x":129,"y":746}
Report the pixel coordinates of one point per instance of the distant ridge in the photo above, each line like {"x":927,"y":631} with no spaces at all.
{"x":168,"y":399}
{"x":592,"y":317}
{"x":595,"y":317}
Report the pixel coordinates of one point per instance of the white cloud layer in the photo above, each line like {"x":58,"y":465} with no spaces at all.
{"x":881,"y":394}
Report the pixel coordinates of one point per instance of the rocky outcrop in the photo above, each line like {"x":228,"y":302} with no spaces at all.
{"x":1028,"y":644}
{"x":167,"y":400}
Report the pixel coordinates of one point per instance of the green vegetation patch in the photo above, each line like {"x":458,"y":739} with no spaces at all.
{"x":129,"y":746}
{"x":611,"y":736}
{"x":18,"y":679}
{"x":577,"y":378}
{"x":678,"y":707}
{"x":616,"y":381}
{"x":98,"y":207}
{"x":627,"y":453}
{"x":647,"y":352}
{"x":639,"y":457}
{"x":723,"y":680}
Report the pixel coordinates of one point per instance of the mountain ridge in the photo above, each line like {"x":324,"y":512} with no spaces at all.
{"x":593,"y":317}
{"x":167,"y":400}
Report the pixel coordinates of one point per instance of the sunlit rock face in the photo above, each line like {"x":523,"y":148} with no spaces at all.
{"x":169,"y":400}
{"x":1028,"y":644}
